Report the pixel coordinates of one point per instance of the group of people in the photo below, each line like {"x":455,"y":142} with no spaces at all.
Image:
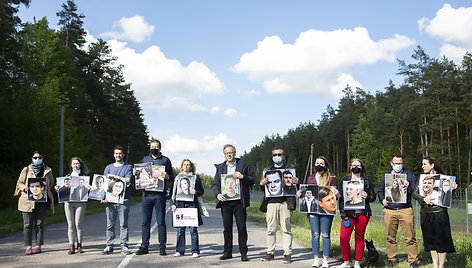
{"x":434,"y":219}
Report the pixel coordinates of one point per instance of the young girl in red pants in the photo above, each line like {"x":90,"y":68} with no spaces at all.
{"x":355,"y":214}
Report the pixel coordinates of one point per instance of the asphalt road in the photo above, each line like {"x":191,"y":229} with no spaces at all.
{"x":211,"y":245}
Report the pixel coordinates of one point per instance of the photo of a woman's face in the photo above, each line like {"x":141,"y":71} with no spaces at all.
{"x":184,"y":185}
{"x":351,"y":192}
{"x":395,"y":184}
{"x":117,"y":188}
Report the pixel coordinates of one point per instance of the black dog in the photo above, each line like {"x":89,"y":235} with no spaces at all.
{"x":372,"y":254}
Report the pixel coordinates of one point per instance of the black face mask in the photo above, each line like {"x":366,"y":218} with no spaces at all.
{"x":356,"y":170}
{"x":155,"y":152}
{"x":319,"y":168}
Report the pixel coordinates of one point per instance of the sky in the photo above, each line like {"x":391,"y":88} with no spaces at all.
{"x":209,"y":73}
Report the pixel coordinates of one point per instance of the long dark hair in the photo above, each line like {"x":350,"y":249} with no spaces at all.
{"x":433,"y":160}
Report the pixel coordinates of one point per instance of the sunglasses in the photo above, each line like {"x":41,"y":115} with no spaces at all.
{"x":426,"y":157}
{"x":37,"y":157}
{"x":277,"y":155}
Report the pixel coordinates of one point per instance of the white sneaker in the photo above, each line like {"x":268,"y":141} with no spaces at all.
{"x":357,"y":265}
{"x":195,"y":255}
{"x":177,"y":254}
{"x":325,"y":263}
{"x":316,"y":263}
{"x":344,"y":265}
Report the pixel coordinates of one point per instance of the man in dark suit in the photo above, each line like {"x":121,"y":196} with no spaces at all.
{"x":80,"y":192}
{"x":64,"y":191}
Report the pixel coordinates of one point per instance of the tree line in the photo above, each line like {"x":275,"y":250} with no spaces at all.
{"x":39,"y":65}
{"x":429,"y":113}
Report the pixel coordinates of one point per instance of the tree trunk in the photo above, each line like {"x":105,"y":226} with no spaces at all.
{"x":458,"y":151}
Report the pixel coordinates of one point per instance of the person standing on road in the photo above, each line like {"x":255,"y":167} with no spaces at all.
{"x":121,"y":171}
{"x":188,"y":167}
{"x":278,"y":209}
{"x":320,"y":225}
{"x":33,"y":212}
{"x":399,"y":214}
{"x":75,"y":211}
{"x":237,"y":208}
{"x":435,"y":225}
{"x":155,"y":200}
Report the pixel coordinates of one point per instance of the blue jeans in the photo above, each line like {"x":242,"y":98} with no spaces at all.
{"x":155,"y":201}
{"x":122,"y":212}
{"x":193,"y":234}
{"x":320,"y":224}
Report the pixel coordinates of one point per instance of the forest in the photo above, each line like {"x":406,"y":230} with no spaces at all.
{"x":38,"y":65}
{"x":429,"y":113}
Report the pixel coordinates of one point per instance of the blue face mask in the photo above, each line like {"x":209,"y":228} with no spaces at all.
{"x":37,"y":161}
{"x":397,"y":168}
{"x":277,"y":159}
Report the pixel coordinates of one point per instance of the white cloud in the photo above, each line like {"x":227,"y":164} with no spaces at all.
{"x":135,"y":29}
{"x":250,"y":93}
{"x":162,"y":83}
{"x":341,"y":82}
{"x":453,"y":27}
{"x":317,"y":61}
{"x":230,"y":112}
{"x":89,"y":39}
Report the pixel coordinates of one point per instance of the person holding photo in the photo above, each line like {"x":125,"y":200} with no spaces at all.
{"x":320,"y":225}
{"x":185,"y":192}
{"x":435,"y":223}
{"x":75,"y":211}
{"x":278,"y":208}
{"x":237,"y":208}
{"x":358,"y":218}
{"x":445,"y":195}
{"x":98,"y":193}
{"x":36,"y":190}
{"x":230,"y":187}
{"x":33,"y":212}
{"x":399,"y":214}
{"x":290,"y":188}
{"x":187,"y":167}
{"x":121,"y":173}
{"x":64,"y":190}
{"x":308,"y":202}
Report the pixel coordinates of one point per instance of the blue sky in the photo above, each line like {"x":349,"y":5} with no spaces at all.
{"x":209,"y":73}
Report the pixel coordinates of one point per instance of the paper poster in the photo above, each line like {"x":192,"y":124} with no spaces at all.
{"x":185,"y":217}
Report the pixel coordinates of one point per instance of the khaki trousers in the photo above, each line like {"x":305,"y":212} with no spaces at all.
{"x":279,"y":212}
{"x":403,"y":218}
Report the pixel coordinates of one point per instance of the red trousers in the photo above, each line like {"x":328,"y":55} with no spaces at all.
{"x":360,"y":222}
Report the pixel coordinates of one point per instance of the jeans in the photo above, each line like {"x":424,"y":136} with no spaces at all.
{"x":320,"y":224}
{"x":75,"y":213}
{"x":155,"y":201}
{"x":36,"y":219}
{"x":228,"y":209}
{"x":180,"y":247}
{"x":120,"y":211}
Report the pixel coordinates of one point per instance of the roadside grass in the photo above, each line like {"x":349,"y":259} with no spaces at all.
{"x":11,"y":220}
{"x":375,"y":231}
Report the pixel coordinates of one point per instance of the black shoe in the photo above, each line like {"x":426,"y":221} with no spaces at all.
{"x":162,"y":251}
{"x":225,"y":257}
{"x":244,"y":257}
{"x":142,"y":251}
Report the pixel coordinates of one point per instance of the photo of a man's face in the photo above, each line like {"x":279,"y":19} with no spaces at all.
{"x":99,"y":182}
{"x":274,"y":182}
{"x":67,"y":183}
{"x":327,"y":200}
{"x":428,"y":184}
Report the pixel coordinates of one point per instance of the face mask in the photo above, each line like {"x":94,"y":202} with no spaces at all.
{"x":319,"y":168}
{"x":277,"y":159}
{"x":397,"y":168}
{"x":155,"y":152}
{"x":37,"y":161}
{"x":356,"y":170}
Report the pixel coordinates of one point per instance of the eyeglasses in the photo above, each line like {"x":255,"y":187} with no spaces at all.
{"x":228,"y":153}
{"x":276,"y":154}
{"x":37,"y":157}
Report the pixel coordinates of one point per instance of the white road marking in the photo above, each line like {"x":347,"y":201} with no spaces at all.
{"x":128,"y":258}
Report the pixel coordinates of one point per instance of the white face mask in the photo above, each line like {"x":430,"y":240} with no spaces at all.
{"x":38,"y":161}
{"x":397,"y":168}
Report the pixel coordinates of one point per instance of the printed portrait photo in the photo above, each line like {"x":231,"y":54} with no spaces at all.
{"x":445,"y":190}
{"x":289,"y":187}
{"x":308,"y":202}
{"x":429,"y":186}
{"x":184,"y":183}
{"x":79,"y":188}
{"x":326,"y":200}
{"x":99,"y":187}
{"x":395,"y":190}
{"x":63,"y":192}
{"x":37,"y":190}
{"x":158,"y":179}
{"x":352,"y":193}
{"x":230,"y":187}
{"x":143,"y":176}
{"x":273,"y":188}
{"x":116,"y":191}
